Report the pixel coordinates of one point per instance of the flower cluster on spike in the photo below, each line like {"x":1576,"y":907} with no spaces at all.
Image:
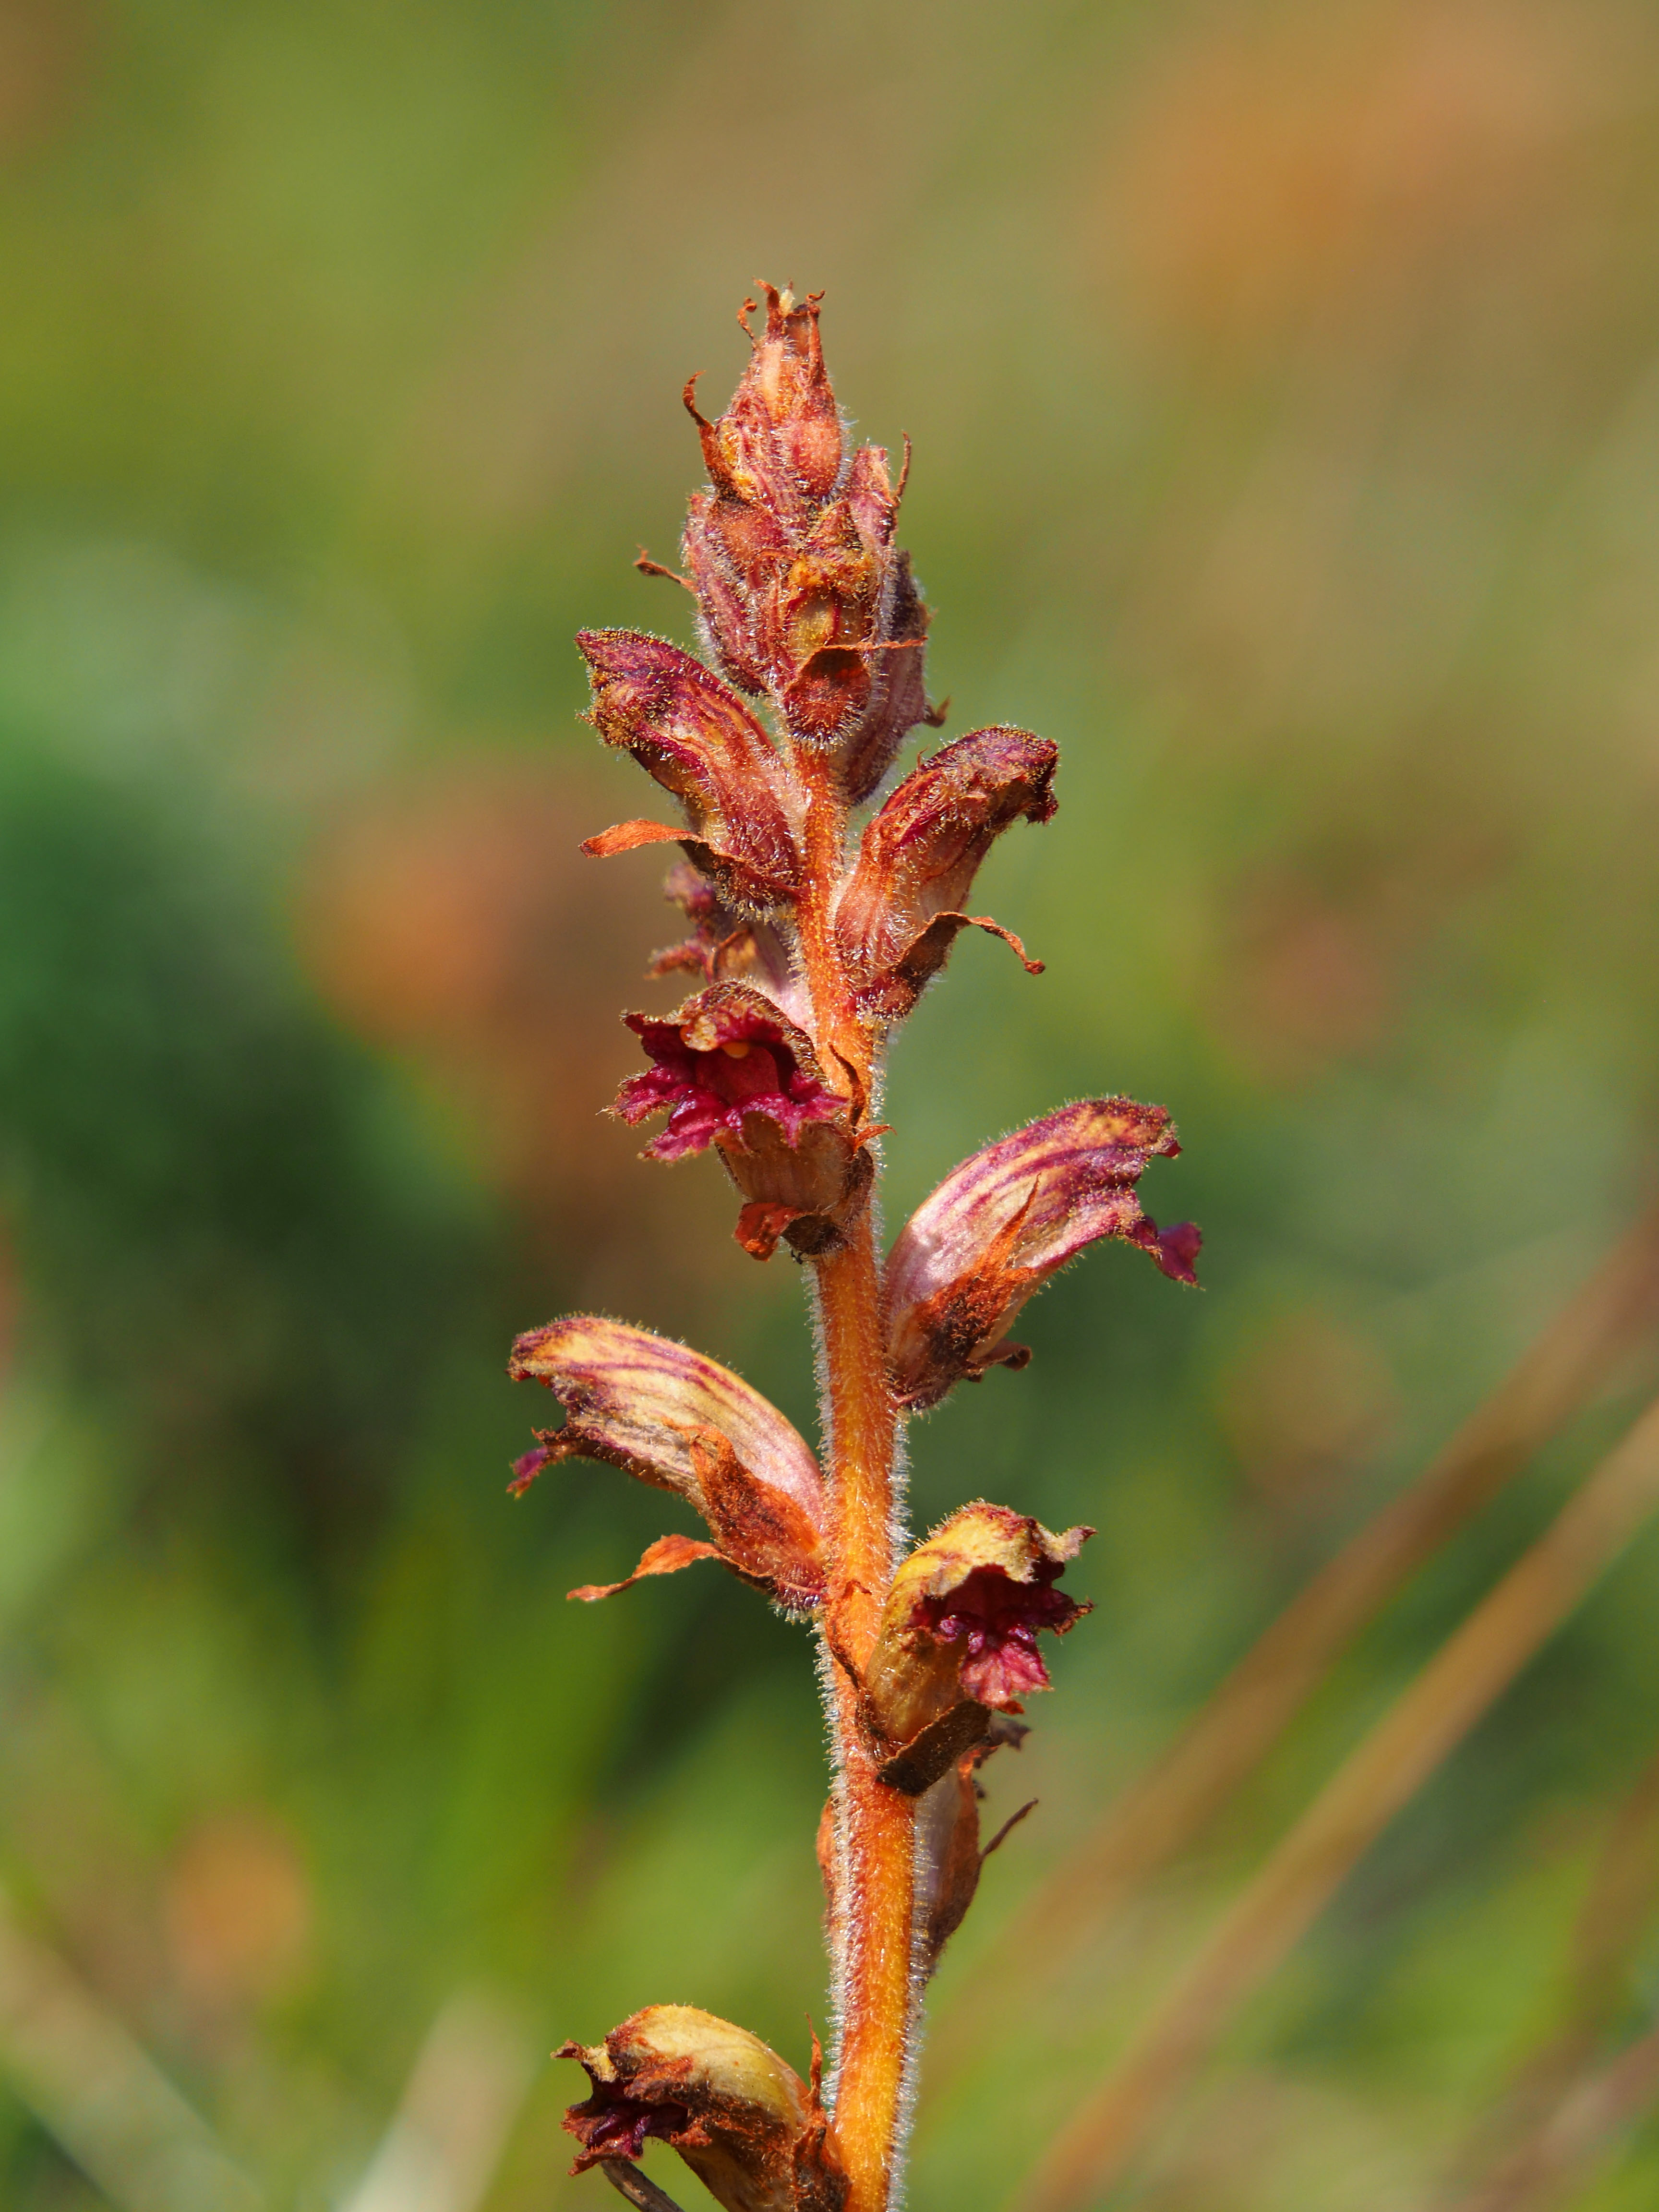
{"x":820,"y":903}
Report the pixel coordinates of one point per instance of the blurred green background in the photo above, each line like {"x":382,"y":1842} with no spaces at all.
{"x":1284,"y":386}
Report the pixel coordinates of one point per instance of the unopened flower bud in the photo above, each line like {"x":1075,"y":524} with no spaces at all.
{"x":790,"y":552}
{"x":1000,"y":1224}
{"x":750,"y":2129}
{"x":961,"y":1620}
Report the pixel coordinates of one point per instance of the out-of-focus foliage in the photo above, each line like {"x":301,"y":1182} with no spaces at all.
{"x":1284,"y":386}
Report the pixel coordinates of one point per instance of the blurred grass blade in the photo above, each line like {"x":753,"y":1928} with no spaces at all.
{"x":1475,"y":1664}
{"x":99,"y":2096}
{"x":1550,"y":2166}
{"x":469,"y":2081}
{"x":1557,"y":1377}
{"x":1618,"y":1903}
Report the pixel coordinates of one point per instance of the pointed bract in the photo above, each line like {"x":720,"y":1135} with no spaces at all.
{"x":701,"y":742}
{"x":1004,"y":1222}
{"x":961,"y":1620}
{"x":902,"y":911}
{"x":682,"y":1422}
{"x":752,"y":2131}
{"x":950,"y":1856}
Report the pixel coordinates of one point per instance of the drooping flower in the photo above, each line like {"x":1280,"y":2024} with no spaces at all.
{"x":902,"y":911}
{"x":731,"y":1070}
{"x":752,"y":2131}
{"x":671,"y":1418}
{"x":1000,"y":1224}
{"x":961,"y":1619}
{"x":790,"y":552}
{"x":701,"y":742}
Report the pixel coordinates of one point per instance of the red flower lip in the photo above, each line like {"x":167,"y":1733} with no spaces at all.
{"x":724,"y":1056}
{"x":961,"y":1620}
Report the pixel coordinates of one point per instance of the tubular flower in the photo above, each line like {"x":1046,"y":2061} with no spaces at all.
{"x":961,"y":1621}
{"x":1000,"y":1224}
{"x":681,"y":1422}
{"x":963,"y":1616}
{"x":732,"y":1069}
{"x":702,"y":744}
{"x":752,"y":2131}
{"x":790,"y":552}
{"x":901,"y":912}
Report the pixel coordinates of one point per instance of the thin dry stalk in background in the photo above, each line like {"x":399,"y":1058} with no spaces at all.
{"x":100,"y":2095}
{"x":1574,"y":1359}
{"x":1622,"y":1892}
{"x":1382,"y":1774}
{"x":1559,"y":2158}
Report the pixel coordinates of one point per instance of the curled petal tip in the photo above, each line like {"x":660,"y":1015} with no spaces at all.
{"x":1006,"y":1220}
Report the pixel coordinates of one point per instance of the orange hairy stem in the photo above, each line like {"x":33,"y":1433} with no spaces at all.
{"x":872,"y":1928}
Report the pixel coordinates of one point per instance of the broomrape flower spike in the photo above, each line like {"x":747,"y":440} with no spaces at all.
{"x":812,"y":934}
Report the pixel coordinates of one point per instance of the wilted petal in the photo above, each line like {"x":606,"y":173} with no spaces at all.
{"x":902,"y":910}
{"x":961,"y":1619}
{"x":752,"y":2131}
{"x":1004,"y":1222}
{"x":672,"y":1418}
{"x":700,"y":742}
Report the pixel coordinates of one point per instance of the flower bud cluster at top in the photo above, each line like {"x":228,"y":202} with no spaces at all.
{"x":807,"y":944}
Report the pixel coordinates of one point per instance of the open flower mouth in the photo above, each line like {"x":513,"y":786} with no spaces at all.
{"x":612,"y":2124}
{"x":724,"y":1055}
{"x":997,"y":1620}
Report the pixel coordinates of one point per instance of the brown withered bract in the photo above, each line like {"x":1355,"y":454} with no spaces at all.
{"x":752,"y":2131}
{"x":950,"y":1857}
{"x":802,"y":593}
{"x":671,"y":1418}
{"x":900,"y":914}
{"x":1000,"y":1224}
{"x":961,"y":1620}
{"x":701,"y":742}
